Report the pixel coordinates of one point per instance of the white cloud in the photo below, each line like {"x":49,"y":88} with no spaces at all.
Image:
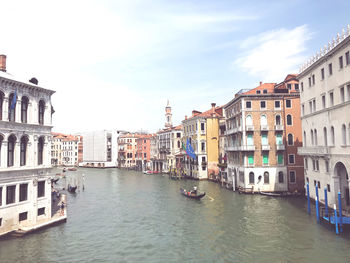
{"x":273,"y":54}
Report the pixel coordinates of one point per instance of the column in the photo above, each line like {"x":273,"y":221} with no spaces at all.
{"x":5,"y":114}
{"x":18,"y":110}
{"x":17,"y":153}
{"x":335,"y":183}
{"x":3,"y":157}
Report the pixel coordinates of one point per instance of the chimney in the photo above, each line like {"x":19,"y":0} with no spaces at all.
{"x":260,"y":83}
{"x":213,"y":106}
{"x":3,"y":63}
{"x":185,"y":117}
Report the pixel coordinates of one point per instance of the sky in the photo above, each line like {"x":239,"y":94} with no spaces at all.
{"x":114,"y":64}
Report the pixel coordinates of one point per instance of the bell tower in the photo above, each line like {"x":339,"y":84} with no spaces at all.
{"x":168,"y":115}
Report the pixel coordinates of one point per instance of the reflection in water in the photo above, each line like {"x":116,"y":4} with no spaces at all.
{"x":126,"y":216}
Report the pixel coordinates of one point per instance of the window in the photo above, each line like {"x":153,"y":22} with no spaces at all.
{"x":332,"y":136}
{"x":23,"y":148}
{"x":323,"y":101}
{"x":251,"y":178}
{"x":178,"y":144}
{"x":41,"y":211}
{"x":145,"y":155}
{"x":277,"y":104}
{"x":291,"y":159}
{"x":266,"y":178}
{"x":296,"y":86}
{"x":347,"y":58}
{"x":265,"y":159}
{"x":317,"y":165}
{"x":289,"y":119}
{"x":319,"y":185}
{"x":23,"y":216}
{"x":330,"y":70}
{"x":302,"y":109}
{"x":1,"y":103}
{"x":263,"y":120}
{"x":178,"y":135}
{"x":348,"y":90}
{"x":12,"y":107}
{"x":248,"y":104}
{"x":310,"y":106}
{"x":343,"y":133}
{"x":327,"y":166}
{"x":250,"y":159}
{"x":315,"y":183}
{"x":278,"y":119}
{"x":292,"y":176}
{"x":289,"y":86}
{"x":280,"y":158}
{"x":306,"y":163}
{"x":40,"y":150}
{"x":302,"y":86}
{"x":313,"y":105}
{"x":202,"y":126}
{"x":203,"y":146}
{"x":0,"y":221}
{"x":23,"y":192}
{"x":309,"y":81}
{"x":41,"y":112}
{"x":262,"y":104}
{"x":0,"y":196}
{"x":328,"y":188}
{"x":288,"y":103}
{"x":313,"y":79}
{"x":41,"y":188}
{"x":342,"y":94}
{"x":265,"y":91}
{"x":279,"y":138}
{"x":280,"y":177}
{"x":10,"y":194}
{"x":250,"y":140}
{"x":341,"y":65}
{"x":11,"y":150}
{"x":249,"y":120}
{"x":258,"y":92}
{"x":290,"y":139}
{"x":24,"y":109}
{"x":304,"y":140}
{"x":331,"y":99}
{"x":325,"y":136}
{"x":315,"y":138}
{"x":322,"y":73}
{"x":264,"y":140}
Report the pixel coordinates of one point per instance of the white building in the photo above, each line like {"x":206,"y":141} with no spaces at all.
{"x":100,"y":149}
{"x":25,"y":146}
{"x":325,"y":107}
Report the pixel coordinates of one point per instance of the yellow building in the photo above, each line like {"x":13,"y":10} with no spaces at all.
{"x":202,"y":131}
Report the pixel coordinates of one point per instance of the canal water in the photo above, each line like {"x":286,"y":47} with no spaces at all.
{"x":127,"y":216}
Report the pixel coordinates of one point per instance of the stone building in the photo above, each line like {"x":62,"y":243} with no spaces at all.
{"x":143,"y":152}
{"x":25,"y":153}
{"x":127,"y":150}
{"x":262,"y":133}
{"x":325,"y":107}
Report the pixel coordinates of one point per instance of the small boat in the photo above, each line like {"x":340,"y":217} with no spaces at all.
{"x":192,"y":194}
{"x":272,"y":194}
{"x":72,"y":189}
{"x":55,"y":180}
{"x":147,"y":172}
{"x":72,"y":169}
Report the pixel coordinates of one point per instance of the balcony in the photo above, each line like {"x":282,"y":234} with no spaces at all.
{"x":232,"y":148}
{"x":265,"y":147}
{"x":247,"y":148}
{"x":230,"y":131}
{"x":280,"y":147}
{"x":279,"y":127}
{"x":264,"y":127}
{"x":249,"y":127}
{"x":314,"y":150}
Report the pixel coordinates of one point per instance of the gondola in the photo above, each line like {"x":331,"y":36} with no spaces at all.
{"x":192,"y":194}
{"x":272,"y":194}
{"x":72,"y":189}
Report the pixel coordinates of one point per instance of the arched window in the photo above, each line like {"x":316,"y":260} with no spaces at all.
{"x":343,"y":134}
{"x":312,"y":137}
{"x":12,"y":107}
{"x":1,"y":103}
{"x":263,"y":120}
{"x":40,"y":150}
{"x":325,"y":136}
{"x":41,"y":111}
{"x":251,"y":178}
{"x":332,"y":136}
{"x":315,"y":136}
{"x":278,"y":119}
{"x":304,"y":141}
{"x":24,"y":109}
{"x":249,"y":120}
{"x":266,"y":178}
{"x":289,"y":119}
{"x":290,"y":139}
{"x":280,"y":177}
{"x":178,"y":144}
{"x":11,"y":141}
{"x":23,"y":147}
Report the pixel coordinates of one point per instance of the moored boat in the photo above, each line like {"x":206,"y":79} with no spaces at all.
{"x":72,"y":169}
{"x":72,"y":189}
{"x":192,"y":193}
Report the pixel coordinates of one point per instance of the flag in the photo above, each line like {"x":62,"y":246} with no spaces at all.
{"x":14,"y":100}
{"x":189,"y":150}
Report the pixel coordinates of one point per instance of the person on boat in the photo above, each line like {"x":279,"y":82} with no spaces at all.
{"x":62,"y":208}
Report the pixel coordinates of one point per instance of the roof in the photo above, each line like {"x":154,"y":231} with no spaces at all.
{"x":269,"y":87}
{"x":207,"y":114}
{"x":65,"y":137}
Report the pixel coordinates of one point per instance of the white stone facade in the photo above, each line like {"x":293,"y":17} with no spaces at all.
{"x":325,"y":107}
{"x":25,"y":153}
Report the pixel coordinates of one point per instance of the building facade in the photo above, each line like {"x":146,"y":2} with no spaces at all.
{"x":127,"y":150}
{"x":25,"y":153}
{"x":325,"y":103}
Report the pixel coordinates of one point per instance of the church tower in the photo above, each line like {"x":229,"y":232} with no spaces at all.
{"x":168,"y":115}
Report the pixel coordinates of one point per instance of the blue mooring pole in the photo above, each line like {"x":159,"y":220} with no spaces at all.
{"x":317,"y":207}
{"x":308,"y":198}
{"x":336,"y":219}
{"x":326,"y":202}
{"x":340,"y":212}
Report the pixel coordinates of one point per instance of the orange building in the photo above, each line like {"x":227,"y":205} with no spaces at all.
{"x":143,"y":151}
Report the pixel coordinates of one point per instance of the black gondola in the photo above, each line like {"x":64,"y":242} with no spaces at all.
{"x":192,"y":194}
{"x":72,"y":189}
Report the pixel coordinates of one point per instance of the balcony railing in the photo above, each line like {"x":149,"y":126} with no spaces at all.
{"x":280,"y":147}
{"x":279,"y":127}
{"x":240,"y":148}
{"x":265,"y":147}
{"x":314,"y":150}
{"x":249,"y":127}
{"x":264,"y":127}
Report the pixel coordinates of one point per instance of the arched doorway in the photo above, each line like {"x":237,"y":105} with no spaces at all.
{"x":342,"y":174}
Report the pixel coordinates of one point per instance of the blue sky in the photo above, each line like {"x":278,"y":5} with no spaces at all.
{"x":114,"y":64}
